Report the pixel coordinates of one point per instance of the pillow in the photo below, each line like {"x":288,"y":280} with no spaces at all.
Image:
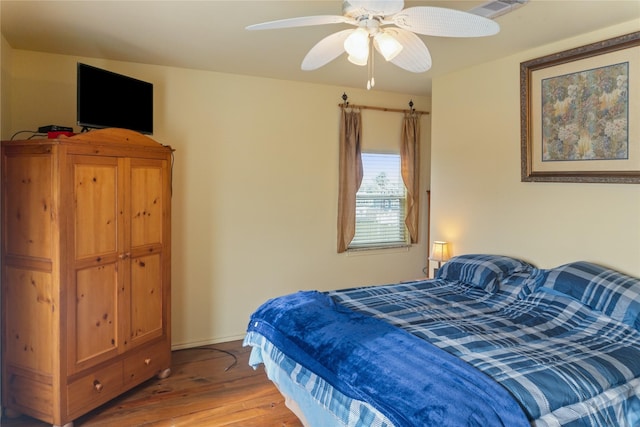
{"x":481,"y":271}
{"x":524,"y":283}
{"x":602,"y":289}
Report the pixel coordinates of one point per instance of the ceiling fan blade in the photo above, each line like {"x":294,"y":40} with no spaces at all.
{"x":443,"y":22}
{"x":414,"y":56}
{"x":303,"y":21}
{"x":355,"y":8}
{"x":325,"y":51}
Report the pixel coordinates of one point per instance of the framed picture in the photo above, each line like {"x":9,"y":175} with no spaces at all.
{"x":580,"y":114}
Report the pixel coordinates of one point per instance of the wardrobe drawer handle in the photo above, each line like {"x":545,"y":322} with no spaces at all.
{"x":147,"y":361}
{"x":97,"y":385}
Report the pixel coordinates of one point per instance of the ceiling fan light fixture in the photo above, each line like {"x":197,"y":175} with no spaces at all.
{"x":398,"y":41}
{"x":357,"y":46}
{"x":358,"y":60}
{"x":387,"y":45}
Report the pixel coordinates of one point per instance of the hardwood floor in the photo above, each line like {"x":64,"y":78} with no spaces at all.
{"x":206,"y":388}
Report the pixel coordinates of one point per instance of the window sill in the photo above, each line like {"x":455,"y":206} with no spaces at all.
{"x":374,"y":250}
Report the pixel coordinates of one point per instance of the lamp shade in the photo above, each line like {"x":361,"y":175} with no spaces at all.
{"x":387,"y":45}
{"x":358,"y":60}
{"x":357,"y":46}
{"x":439,"y":251}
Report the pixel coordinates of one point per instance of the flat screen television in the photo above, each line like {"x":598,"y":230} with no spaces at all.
{"x":107,"y":99}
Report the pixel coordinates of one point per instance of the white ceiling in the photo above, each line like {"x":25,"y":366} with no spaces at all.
{"x":210,"y":35}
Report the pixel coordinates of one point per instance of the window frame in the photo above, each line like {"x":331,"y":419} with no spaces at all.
{"x":381,"y":244}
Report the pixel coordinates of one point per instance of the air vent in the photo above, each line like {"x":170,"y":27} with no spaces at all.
{"x":496,"y":8}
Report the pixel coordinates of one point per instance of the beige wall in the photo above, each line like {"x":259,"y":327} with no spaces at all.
{"x":5,"y":87}
{"x":478,"y":201}
{"x":255,"y":183}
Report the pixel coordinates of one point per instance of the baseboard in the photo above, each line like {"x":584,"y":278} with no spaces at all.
{"x":191,"y":344}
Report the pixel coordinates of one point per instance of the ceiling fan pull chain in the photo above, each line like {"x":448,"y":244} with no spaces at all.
{"x":371,"y":82}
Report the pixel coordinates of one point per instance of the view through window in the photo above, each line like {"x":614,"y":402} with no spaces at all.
{"x":380,"y":203}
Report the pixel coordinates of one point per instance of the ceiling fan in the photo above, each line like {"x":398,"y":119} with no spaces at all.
{"x":389,"y":28}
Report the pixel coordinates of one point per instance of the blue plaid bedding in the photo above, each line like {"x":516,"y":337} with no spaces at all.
{"x":318,"y":400}
{"x":564,"y":342}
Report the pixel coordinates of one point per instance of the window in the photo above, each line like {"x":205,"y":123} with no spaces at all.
{"x":380,"y":203}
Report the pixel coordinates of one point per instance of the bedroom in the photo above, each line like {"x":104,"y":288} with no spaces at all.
{"x":229,"y":256}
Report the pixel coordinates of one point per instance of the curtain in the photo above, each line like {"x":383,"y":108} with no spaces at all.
{"x":350,"y":175}
{"x":410,"y":168}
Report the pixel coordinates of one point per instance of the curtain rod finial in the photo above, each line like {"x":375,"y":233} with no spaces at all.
{"x":344,"y":98}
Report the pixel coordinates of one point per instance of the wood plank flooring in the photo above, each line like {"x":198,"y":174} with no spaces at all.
{"x":205,"y":388}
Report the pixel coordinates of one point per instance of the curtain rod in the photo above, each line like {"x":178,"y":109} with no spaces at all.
{"x":369,"y":107}
{"x":346,"y":104}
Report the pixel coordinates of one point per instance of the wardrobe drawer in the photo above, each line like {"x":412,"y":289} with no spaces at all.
{"x":146,"y":362}
{"x":94,"y":389}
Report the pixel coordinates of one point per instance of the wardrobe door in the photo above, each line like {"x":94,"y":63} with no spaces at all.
{"x":96,"y":284}
{"x":148,"y":280}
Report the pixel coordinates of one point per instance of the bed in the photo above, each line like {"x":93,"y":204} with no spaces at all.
{"x":491,"y":341}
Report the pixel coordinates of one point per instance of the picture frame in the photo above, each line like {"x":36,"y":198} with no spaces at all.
{"x":579,"y":112}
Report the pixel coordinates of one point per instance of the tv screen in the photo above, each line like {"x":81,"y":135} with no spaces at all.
{"x":107,"y":99}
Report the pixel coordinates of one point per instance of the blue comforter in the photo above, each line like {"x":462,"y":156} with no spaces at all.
{"x":406,"y":378}
{"x":564,"y":362}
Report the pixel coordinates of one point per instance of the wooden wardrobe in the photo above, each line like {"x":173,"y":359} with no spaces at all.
{"x":86,"y":269}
